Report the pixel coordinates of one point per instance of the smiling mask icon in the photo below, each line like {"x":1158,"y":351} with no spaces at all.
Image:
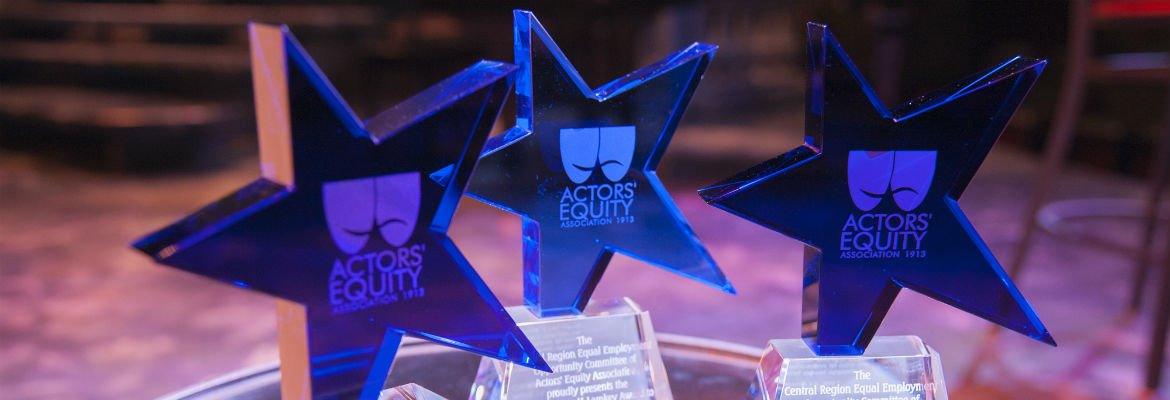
{"x":907,"y":173}
{"x":355,"y":208}
{"x":584,"y":149}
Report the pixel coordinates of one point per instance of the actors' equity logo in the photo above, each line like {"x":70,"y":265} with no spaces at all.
{"x":583,"y":150}
{"x":905,"y":175}
{"x":384,"y":208}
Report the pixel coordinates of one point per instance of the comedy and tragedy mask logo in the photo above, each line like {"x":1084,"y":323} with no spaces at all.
{"x":906,"y":173}
{"x":584,"y":149}
{"x":355,"y":208}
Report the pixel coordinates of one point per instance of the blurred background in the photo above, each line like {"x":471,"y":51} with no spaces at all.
{"x":117,"y":118}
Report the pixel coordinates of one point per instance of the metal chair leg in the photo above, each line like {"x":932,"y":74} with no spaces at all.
{"x":1154,"y":363}
{"x":1055,"y":152}
{"x":1061,"y":134}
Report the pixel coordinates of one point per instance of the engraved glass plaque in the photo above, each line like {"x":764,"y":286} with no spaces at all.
{"x":892,"y":368}
{"x":410,"y":391}
{"x":608,"y":353}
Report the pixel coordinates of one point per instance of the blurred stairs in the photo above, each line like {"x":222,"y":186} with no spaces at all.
{"x":143,"y":85}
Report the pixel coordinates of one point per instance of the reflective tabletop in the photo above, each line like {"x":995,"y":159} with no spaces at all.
{"x":697,"y":368}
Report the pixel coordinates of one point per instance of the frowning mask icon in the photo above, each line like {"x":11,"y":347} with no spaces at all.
{"x":355,"y":208}
{"x":584,"y":149}
{"x":906,"y":173}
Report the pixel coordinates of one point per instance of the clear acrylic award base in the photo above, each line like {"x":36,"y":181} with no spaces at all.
{"x":608,"y":353}
{"x":409,"y":391}
{"x":892,"y":368}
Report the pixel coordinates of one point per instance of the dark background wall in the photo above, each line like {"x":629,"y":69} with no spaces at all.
{"x":150,"y":85}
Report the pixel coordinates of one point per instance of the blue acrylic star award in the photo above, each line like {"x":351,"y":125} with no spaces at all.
{"x":873,"y":193}
{"x":347,"y":227}
{"x":579,"y":168}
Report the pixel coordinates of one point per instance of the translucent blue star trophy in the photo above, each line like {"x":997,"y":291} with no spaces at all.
{"x":873,"y":193}
{"x":579,"y":167}
{"x":347,"y":226}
